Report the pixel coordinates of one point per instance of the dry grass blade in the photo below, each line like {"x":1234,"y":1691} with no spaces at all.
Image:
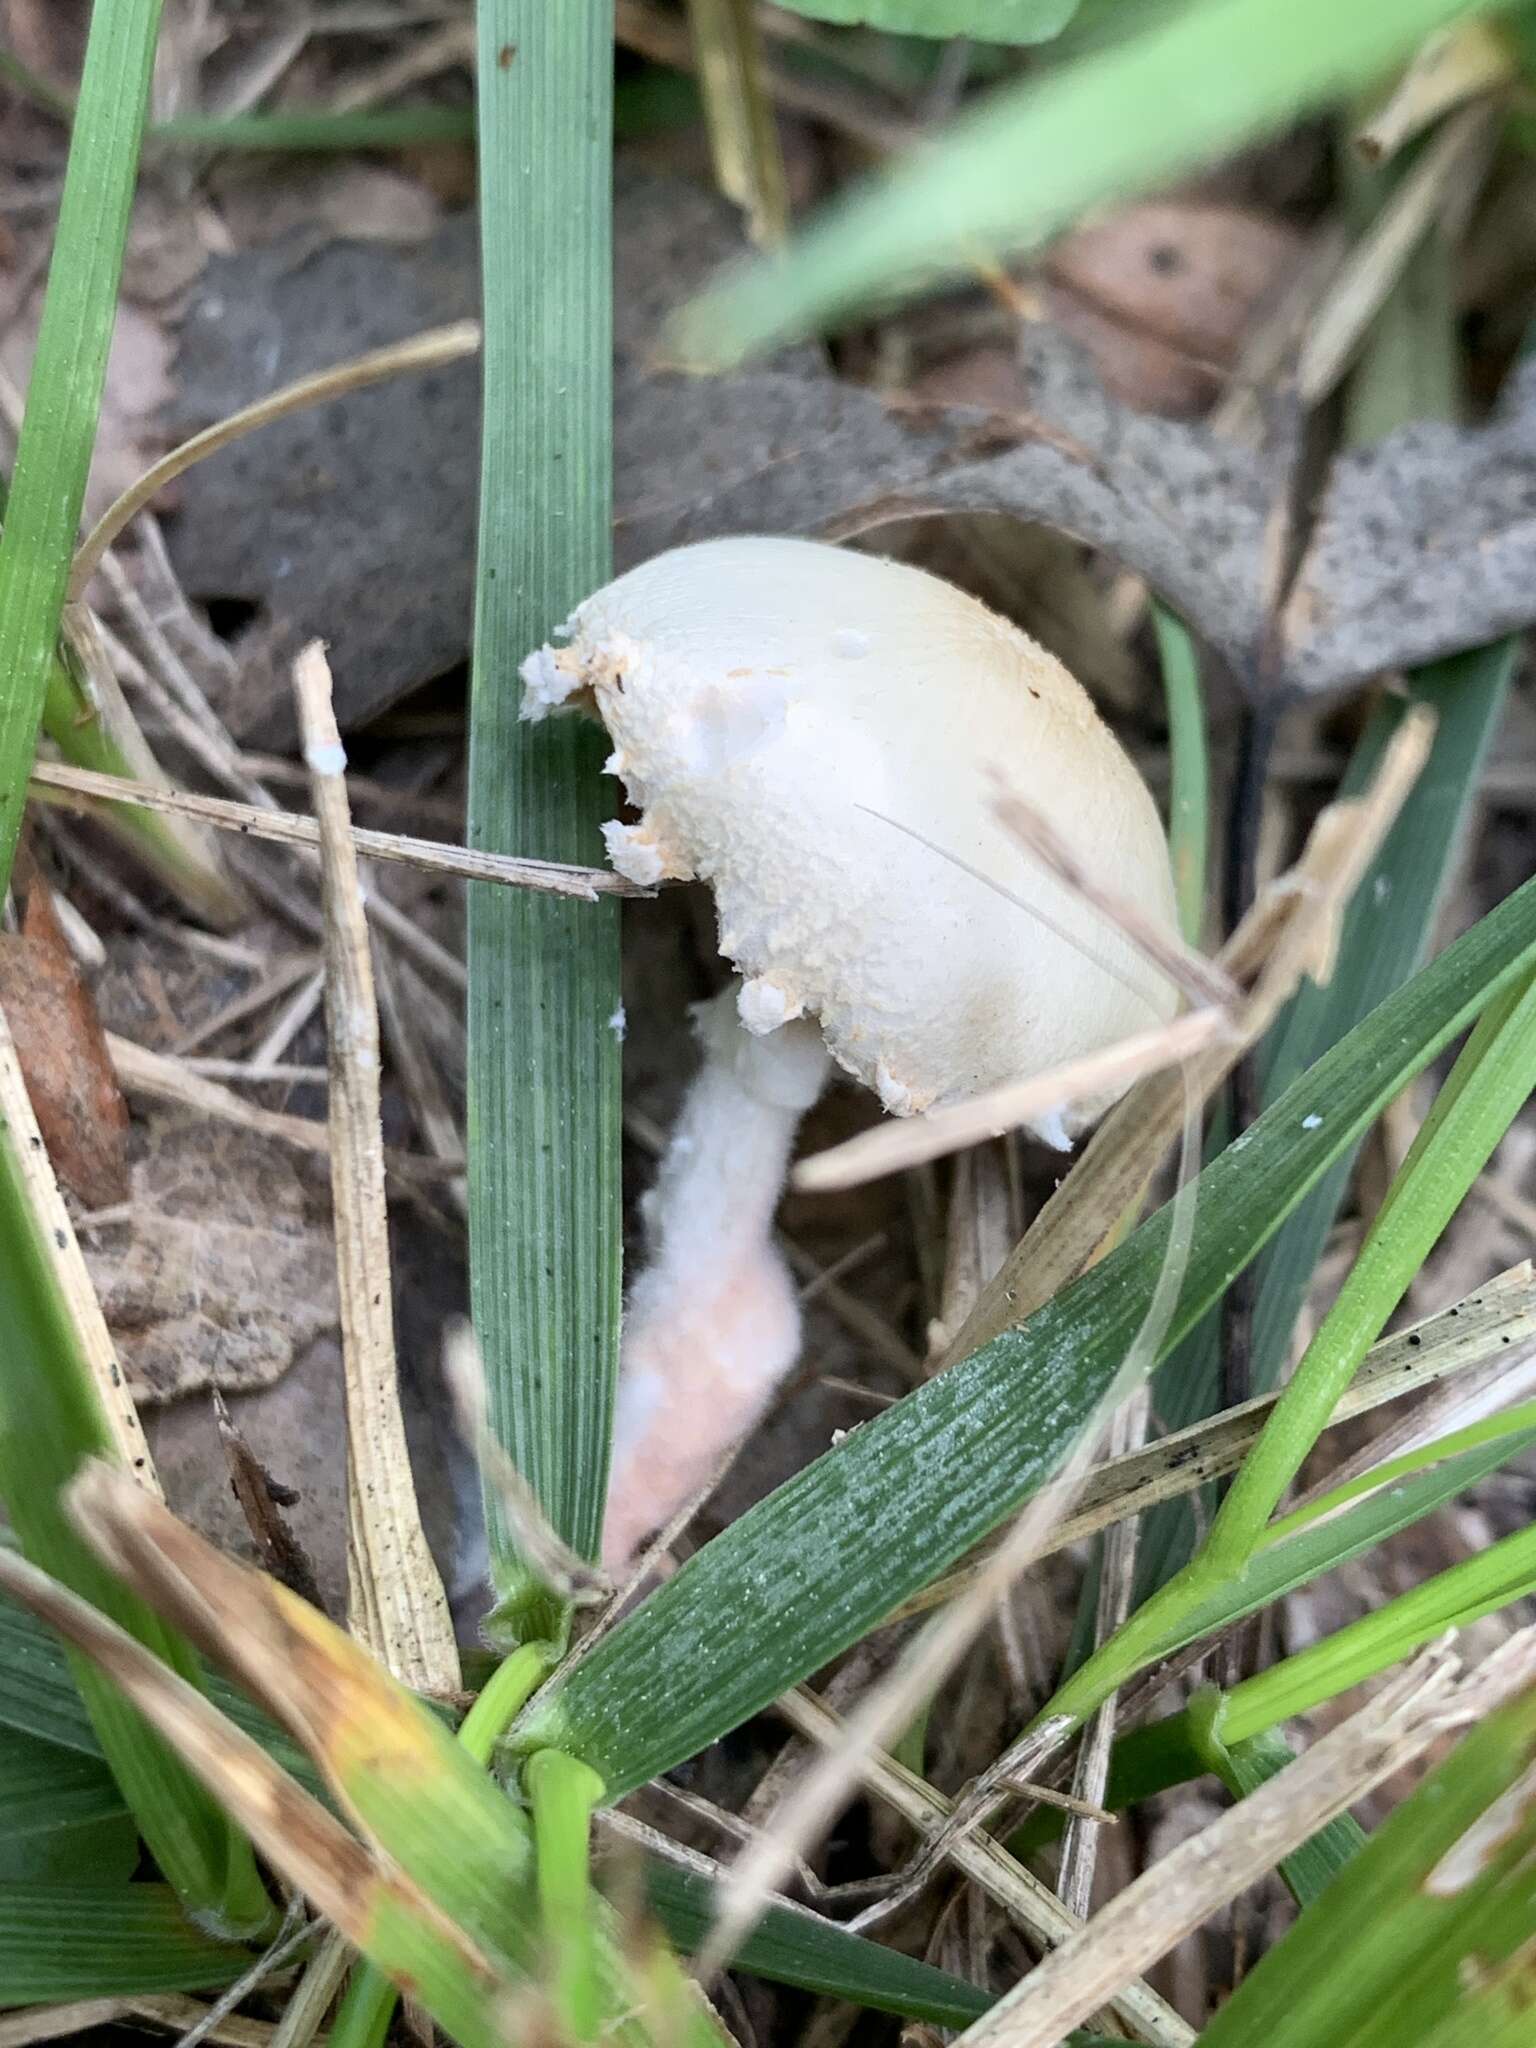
{"x":195,"y":868}
{"x":738,"y":112}
{"x":314,"y":1994}
{"x":1171,"y":1899}
{"x":567,"y":1575}
{"x":1117,"y":1588}
{"x":56,"y":1234}
{"x":291,"y":1828}
{"x":987,"y":1864}
{"x":879,"y":129}
{"x":1291,"y":931}
{"x":169,"y":2012}
{"x":163,"y":1078}
{"x":1496,"y":1323}
{"x":1437,"y":182}
{"x":396,"y":1602}
{"x":81,"y":789}
{"x":892,"y":1147}
{"x":421,"y":352}
{"x":1200,"y":980}
{"x":1453,"y":65}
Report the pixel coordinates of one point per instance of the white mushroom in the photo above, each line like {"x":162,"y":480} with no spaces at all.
{"x":809,"y":730}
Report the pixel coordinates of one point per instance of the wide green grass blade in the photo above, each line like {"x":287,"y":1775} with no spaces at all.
{"x":1430,"y":1923}
{"x":38,"y":1697}
{"x":1180,"y":91}
{"x":822,"y":1560}
{"x":61,"y":1816}
{"x":43,"y":1787}
{"x":791,"y":1945}
{"x":545,"y":1224}
{"x":60,"y":1942}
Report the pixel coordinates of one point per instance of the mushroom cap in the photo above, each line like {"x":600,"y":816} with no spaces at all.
{"x":810,"y":730}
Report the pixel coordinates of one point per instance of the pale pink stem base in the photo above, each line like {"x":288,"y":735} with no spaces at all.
{"x":713,"y":1322}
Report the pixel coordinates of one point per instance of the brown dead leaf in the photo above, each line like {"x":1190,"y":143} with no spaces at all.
{"x":63,"y":1052}
{"x":129,"y":435}
{"x":318,"y":200}
{"x":48,"y":36}
{"x":1136,"y":366}
{"x":222,"y":1272}
{"x":1163,"y":294}
{"x":987,"y":375}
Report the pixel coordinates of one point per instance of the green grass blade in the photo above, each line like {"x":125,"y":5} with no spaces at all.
{"x":49,"y":1421}
{"x":1189,"y":788}
{"x":58,"y":430}
{"x":1454,"y":1598}
{"x":1243,"y":1767}
{"x":545,"y":1224}
{"x":1386,"y":931}
{"x":1487,"y":1088}
{"x":38,"y":1697}
{"x":43,"y":1787}
{"x":49,"y":1418}
{"x":1431,"y":1922}
{"x":822,"y":1560}
{"x":1182,"y":91}
{"x":60,"y":1942}
{"x":793,"y":1946}
{"x":1167,"y":1752}
{"x":61,"y":1816}
{"x":1295,"y":1560}
{"x":1242,"y":1558}
{"x":989,"y":21}
{"x":1408,"y":371}
{"x":317,"y":131}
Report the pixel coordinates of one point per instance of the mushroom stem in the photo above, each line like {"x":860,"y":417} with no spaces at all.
{"x":713,"y":1322}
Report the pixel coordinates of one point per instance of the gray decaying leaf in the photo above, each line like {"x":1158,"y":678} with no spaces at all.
{"x":356,"y":520}
{"x":1424,"y":544}
{"x":222,"y":1271}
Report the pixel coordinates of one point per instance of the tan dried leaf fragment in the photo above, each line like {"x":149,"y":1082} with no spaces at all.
{"x":221,"y":1273}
